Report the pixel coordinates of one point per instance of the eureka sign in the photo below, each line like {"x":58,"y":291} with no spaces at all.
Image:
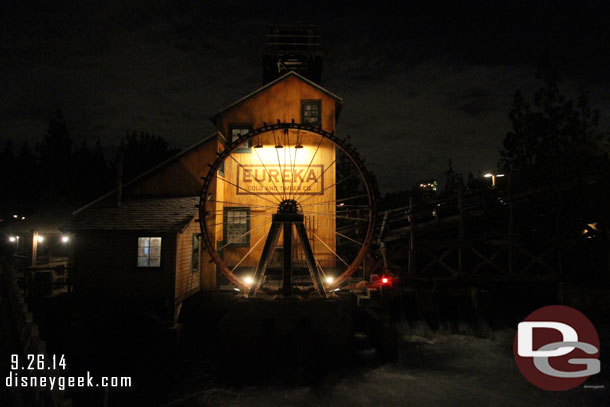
{"x":276,"y":180}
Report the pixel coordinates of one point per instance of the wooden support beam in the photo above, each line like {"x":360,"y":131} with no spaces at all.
{"x":268,"y":249}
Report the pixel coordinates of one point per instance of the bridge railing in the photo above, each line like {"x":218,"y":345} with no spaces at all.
{"x":528,"y":232}
{"x":23,"y":337}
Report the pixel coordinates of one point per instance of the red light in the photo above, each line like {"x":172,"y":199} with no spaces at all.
{"x":384,"y":280}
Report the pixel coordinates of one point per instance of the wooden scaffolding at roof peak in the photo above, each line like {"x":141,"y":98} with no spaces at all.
{"x":292,"y":48}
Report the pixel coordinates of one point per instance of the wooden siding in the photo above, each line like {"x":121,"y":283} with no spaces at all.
{"x":187,"y":280}
{"x":179,"y":178}
{"x":105,"y":269}
{"x":105,"y":262}
{"x":281,"y":101}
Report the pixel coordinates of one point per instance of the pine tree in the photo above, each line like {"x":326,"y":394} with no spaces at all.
{"x":552,"y":134}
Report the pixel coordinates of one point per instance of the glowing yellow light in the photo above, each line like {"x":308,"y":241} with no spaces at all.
{"x":40,"y":239}
{"x":499,"y":175}
{"x":488,"y":175}
{"x":15,"y":216}
{"x":248,"y":280}
{"x":65,"y":239}
{"x":269,"y":155}
{"x":12,"y":239}
{"x":329,"y":280}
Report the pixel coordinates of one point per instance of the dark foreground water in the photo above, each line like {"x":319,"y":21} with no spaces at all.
{"x":433,"y":369}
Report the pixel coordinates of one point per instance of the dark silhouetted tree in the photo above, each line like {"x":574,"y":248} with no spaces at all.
{"x":55,"y":170}
{"x":7,"y":178}
{"x":452,"y":178}
{"x":62,"y":172}
{"x":143,"y":151}
{"x":94,"y":176}
{"x":553,"y":131}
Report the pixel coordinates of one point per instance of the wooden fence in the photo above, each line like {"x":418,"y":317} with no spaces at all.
{"x":23,"y":338}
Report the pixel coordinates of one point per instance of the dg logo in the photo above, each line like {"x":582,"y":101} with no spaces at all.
{"x":556,"y":348}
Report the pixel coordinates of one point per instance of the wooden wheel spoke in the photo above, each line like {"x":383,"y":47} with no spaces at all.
{"x":241,"y":204}
{"x":294,"y":164}
{"x":343,"y":236}
{"x":248,"y":192}
{"x":248,"y":216}
{"x":235,"y":240}
{"x":335,"y":200}
{"x":328,"y":247}
{"x":249,"y":251}
{"x":310,"y":162}
{"x":338,"y":216}
{"x":277,"y":153}
{"x":321,"y":177}
{"x":256,"y":179}
{"x":267,"y":171}
{"x":353,"y":174}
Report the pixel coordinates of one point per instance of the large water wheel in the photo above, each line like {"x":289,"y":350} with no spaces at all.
{"x":288,"y":177}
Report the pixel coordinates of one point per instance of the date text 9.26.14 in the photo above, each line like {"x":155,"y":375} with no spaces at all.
{"x":37,"y":361}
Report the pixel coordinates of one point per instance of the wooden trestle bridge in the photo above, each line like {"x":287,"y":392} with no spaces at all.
{"x":521,"y":232}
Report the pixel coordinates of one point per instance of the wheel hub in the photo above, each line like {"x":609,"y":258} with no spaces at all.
{"x":288,"y":206}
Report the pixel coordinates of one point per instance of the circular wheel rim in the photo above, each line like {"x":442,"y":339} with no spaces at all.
{"x":367,"y":181}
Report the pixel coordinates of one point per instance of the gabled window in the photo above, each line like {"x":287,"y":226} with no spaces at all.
{"x":238,"y":130}
{"x":311,"y":112}
{"x":149,"y":252}
{"x":236,"y":226}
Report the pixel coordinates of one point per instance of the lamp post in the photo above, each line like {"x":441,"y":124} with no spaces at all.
{"x":493,"y":177}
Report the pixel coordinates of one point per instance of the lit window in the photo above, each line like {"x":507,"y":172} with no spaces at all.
{"x":149,"y":251}
{"x":311,"y":112}
{"x":195,"y":255}
{"x":236,"y":132}
{"x":236,"y":226}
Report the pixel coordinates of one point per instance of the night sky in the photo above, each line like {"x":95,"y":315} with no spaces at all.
{"x":420,"y":85}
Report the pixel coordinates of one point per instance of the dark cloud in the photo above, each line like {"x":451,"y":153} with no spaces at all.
{"x":420,"y":86}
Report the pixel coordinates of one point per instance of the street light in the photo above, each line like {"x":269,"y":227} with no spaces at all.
{"x":493,"y":177}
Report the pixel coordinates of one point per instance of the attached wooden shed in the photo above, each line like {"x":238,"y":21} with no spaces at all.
{"x":145,"y":250}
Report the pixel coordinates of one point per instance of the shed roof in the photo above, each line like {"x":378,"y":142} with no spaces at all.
{"x":150,"y":214}
{"x":151,"y":171}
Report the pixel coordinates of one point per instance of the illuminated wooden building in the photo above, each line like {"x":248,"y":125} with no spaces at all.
{"x":146,"y":248}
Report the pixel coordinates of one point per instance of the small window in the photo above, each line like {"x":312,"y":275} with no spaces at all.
{"x":149,"y":252}
{"x":311,"y":112}
{"x":236,"y":226}
{"x":236,"y":132}
{"x":195,"y":258}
